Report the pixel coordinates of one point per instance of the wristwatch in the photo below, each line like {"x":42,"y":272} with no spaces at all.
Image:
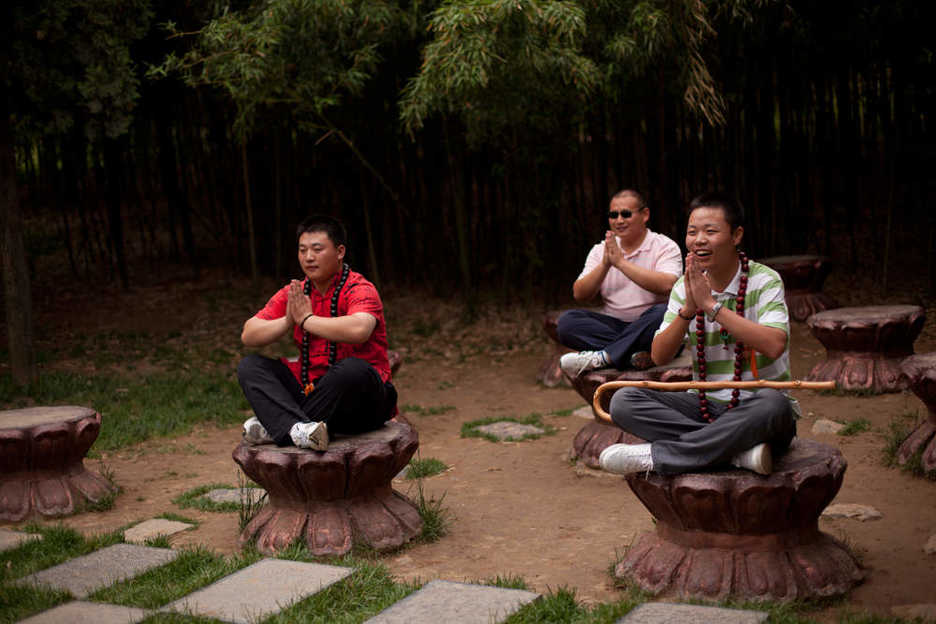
{"x":715,"y":308}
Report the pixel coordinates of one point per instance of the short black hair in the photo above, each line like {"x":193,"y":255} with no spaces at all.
{"x":734,"y":211}
{"x":641,"y":202}
{"x":333,"y":227}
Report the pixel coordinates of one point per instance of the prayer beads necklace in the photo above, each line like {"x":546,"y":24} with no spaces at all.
{"x":739,"y":346}
{"x":332,"y":347}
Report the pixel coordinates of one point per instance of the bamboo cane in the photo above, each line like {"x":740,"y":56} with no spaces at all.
{"x":676,"y":386}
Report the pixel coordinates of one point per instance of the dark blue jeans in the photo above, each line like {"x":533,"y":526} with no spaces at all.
{"x":587,"y":330}
{"x":350,"y":398}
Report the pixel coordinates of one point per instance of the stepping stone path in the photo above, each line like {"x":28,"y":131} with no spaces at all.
{"x":79,"y":612}
{"x":445,"y":601}
{"x":83,"y":575}
{"x":11,"y":539}
{"x":824,"y":425}
{"x":669,"y":613}
{"x":849,"y":510}
{"x":508,"y":430}
{"x":223,"y":495}
{"x":259,"y":590}
{"x":156,"y":527}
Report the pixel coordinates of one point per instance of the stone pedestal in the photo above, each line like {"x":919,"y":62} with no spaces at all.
{"x":328,"y":499}
{"x":597,"y":436}
{"x":42,"y":469}
{"x":737,"y":535}
{"x":865,"y":345}
{"x":920,"y":371}
{"x":549,"y":374}
{"x":803,"y":277}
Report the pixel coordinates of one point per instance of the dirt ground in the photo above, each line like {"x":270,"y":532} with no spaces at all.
{"x":521,"y":508}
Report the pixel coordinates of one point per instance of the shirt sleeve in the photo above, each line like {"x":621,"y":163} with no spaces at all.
{"x":275,"y":308}
{"x":676,"y":300}
{"x":670,"y":259}
{"x":363,"y":297}
{"x":771,"y":305}
{"x":593,"y":260}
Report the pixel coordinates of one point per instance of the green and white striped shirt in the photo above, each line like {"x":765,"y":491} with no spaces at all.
{"x":763,"y":303}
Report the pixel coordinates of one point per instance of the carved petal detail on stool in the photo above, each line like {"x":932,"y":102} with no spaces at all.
{"x":42,"y":470}
{"x":733,"y":534}
{"x":329,"y":499}
{"x":920,"y":373}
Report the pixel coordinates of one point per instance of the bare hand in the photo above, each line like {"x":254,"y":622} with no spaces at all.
{"x":613,"y":252}
{"x":698,"y":286}
{"x":298,"y":305}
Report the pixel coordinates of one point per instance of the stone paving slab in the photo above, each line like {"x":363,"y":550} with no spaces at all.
{"x":149,"y":529}
{"x":670,"y":613}
{"x":227,"y":495}
{"x":79,"y":612}
{"x":506,"y":430}
{"x":11,"y":539}
{"x":103,"y":567}
{"x":445,"y":601}
{"x":261,"y":589}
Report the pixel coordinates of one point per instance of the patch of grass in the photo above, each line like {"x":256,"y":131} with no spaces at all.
{"x":854,"y":427}
{"x":19,"y":602}
{"x":107,"y":501}
{"x":193,"y":569}
{"x":58,"y":544}
{"x":562,"y":412}
{"x":435,"y":516}
{"x":168,"y":515}
{"x":194,"y":499}
{"x":897,"y":431}
{"x":433,"y":410}
{"x":470,"y":429}
{"x":445,"y":385}
{"x":508,"y":581}
{"x":420,"y":468}
{"x":248,"y":507}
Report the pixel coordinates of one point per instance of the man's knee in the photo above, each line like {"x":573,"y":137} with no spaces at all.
{"x":622,"y":403}
{"x":774,"y":407}
{"x":565,"y":326}
{"x":247,"y":368}
{"x":353,"y":370}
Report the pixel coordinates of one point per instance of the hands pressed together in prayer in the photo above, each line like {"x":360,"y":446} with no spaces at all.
{"x":698,"y":286}
{"x":613,"y":254}
{"x":298,"y":305}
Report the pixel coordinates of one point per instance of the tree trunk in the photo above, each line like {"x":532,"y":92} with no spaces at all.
{"x":18,"y":297}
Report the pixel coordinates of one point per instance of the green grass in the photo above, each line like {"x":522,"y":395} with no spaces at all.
{"x":435,"y":516}
{"x":194,"y":499}
{"x":137,"y":409}
{"x":470,"y":429}
{"x":17,"y":603}
{"x":897,"y":431}
{"x":433,"y":410}
{"x":420,"y":468}
{"x":854,"y":427}
{"x":58,"y":544}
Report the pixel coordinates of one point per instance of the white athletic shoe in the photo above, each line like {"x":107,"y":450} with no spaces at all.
{"x":756,"y":459}
{"x":255,"y":432}
{"x":626,"y":458}
{"x":574,"y":364}
{"x":310,"y":435}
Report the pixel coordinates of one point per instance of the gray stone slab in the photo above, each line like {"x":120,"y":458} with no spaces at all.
{"x":259,"y":590}
{"x":445,"y":601}
{"x":11,"y":539}
{"x":79,"y":612}
{"x":149,"y":529}
{"x":507,"y":429}
{"x":585,"y":413}
{"x":234,"y":495}
{"x":851,"y":510}
{"x":669,"y":613}
{"x":824,"y":425}
{"x":103,"y":567}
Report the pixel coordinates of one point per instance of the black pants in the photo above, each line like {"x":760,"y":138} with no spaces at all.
{"x":350,"y":398}
{"x":593,"y":331}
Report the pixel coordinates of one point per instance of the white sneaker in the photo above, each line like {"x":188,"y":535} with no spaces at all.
{"x":574,"y":364}
{"x":310,"y":435}
{"x":756,"y":459}
{"x":626,"y":458}
{"x":255,"y":432}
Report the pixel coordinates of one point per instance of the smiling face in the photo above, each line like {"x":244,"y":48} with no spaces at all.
{"x":630,"y":230}
{"x":710,"y":239}
{"x":319,"y":257}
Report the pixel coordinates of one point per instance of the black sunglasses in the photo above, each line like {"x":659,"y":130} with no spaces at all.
{"x":625,"y":214}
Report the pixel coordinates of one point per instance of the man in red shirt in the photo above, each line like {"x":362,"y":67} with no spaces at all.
{"x":341,"y":381}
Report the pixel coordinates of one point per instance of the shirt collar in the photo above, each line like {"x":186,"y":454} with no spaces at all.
{"x":734,"y":285}
{"x":644,"y":245}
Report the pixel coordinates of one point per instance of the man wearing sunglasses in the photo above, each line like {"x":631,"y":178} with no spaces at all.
{"x":633,"y":269}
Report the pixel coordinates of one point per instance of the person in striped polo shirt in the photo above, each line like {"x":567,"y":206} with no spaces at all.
{"x":688,"y":431}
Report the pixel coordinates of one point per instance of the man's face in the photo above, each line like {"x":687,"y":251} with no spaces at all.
{"x":319,"y":258}
{"x":710,"y":239}
{"x":629,"y":228}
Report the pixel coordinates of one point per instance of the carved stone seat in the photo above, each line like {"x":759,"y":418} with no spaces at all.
{"x":920,"y":371}
{"x":42,"y":470}
{"x":803,"y":277}
{"x":737,"y":535}
{"x":330,"y":499}
{"x":549,"y":374}
{"x":597,"y":436}
{"x":865,"y":345}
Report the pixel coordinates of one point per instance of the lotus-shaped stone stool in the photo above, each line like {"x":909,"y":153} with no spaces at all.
{"x":330,"y":499}
{"x":865,"y":345}
{"x":735,"y":534}
{"x":920,"y":371}
{"x":803,"y":277}
{"x":42,"y":470}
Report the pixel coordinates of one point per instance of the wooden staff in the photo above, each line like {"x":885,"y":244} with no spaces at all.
{"x":677,"y":386}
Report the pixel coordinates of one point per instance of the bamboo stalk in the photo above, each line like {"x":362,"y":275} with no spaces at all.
{"x":679,"y":386}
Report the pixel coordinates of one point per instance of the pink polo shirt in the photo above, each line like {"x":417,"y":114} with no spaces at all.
{"x":623,"y":298}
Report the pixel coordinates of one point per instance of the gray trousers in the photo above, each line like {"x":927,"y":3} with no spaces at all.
{"x":682,"y":441}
